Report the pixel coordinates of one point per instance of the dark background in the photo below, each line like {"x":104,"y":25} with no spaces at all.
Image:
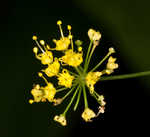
{"x":123,"y":24}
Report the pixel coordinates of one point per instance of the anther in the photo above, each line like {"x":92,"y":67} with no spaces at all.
{"x":42,"y":42}
{"x":34,"y":37}
{"x":41,"y":75}
{"x":59,"y":22}
{"x":69,"y":27}
{"x":35,"y":50}
{"x":31,"y":101}
{"x":79,"y":49}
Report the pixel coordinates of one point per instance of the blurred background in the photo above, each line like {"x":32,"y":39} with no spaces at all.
{"x":123,"y":24}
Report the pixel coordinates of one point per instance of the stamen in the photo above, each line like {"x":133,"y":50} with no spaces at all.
{"x":70,"y":36}
{"x":69,"y":27}
{"x":59,"y":24}
{"x":35,"y":39}
{"x":48,"y":47}
{"x":41,"y":75}
{"x":42,"y":42}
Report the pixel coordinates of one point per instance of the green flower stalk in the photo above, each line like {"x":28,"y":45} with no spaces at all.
{"x":72,"y":73}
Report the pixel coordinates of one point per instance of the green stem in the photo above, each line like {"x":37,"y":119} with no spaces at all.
{"x":71,"y":101}
{"x":69,"y":92}
{"x":61,"y":89}
{"x":73,"y":73}
{"x":79,"y":72}
{"x":108,"y":54}
{"x":80,"y":68}
{"x":75,"y":82}
{"x":87,"y":55}
{"x":78,"y":99}
{"x":85,"y":97}
{"x":88,"y":61}
{"x":94,"y":95}
{"x":125,"y":76}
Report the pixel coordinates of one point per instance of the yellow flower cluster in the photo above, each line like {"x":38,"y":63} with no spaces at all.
{"x":43,"y":93}
{"x":69,"y":72}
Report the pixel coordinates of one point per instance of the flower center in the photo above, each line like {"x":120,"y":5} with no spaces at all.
{"x":81,"y":78}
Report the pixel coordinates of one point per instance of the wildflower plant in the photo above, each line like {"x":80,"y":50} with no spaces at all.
{"x":72,"y":73}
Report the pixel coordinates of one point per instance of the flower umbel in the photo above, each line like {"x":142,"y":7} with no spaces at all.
{"x":71,"y":73}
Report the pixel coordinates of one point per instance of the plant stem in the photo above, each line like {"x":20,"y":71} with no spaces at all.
{"x":125,"y":76}
{"x":71,"y":101}
{"x":108,"y":54}
{"x":79,"y":72}
{"x":78,"y":99}
{"x":87,"y":55}
{"x":61,"y":89}
{"x":69,"y":92}
{"x":85,"y":97}
{"x":80,"y":68}
{"x":73,"y":73}
{"x":88,"y":61}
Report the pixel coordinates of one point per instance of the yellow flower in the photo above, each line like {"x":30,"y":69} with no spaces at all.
{"x":65,"y":79}
{"x":91,"y":79}
{"x":61,"y":119}
{"x":111,"y":65}
{"x":62,"y":44}
{"x":37,"y":93}
{"x":71,"y":58}
{"x":88,"y":114}
{"x":52,"y":69}
{"x":94,"y":35}
{"x":46,"y":56}
{"x":49,"y":92}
